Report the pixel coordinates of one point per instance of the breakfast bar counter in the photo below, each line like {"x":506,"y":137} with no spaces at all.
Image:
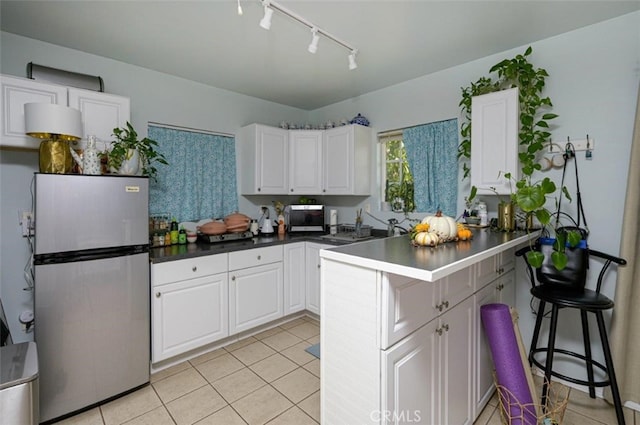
{"x":401,"y":338}
{"x":398,"y":255}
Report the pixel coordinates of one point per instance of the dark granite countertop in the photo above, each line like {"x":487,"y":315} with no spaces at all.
{"x":201,"y":248}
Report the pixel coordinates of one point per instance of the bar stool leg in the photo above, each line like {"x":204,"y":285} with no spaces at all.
{"x":610,"y":370}
{"x":587,"y":353}
{"x":550,"y":348}
{"x":536,"y":332}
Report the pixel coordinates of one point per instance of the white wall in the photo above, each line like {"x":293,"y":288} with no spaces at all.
{"x":593,"y":83}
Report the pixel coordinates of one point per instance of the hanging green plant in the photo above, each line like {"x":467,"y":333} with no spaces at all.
{"x":530,"y":196}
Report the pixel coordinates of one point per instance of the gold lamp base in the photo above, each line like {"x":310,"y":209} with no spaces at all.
{"x":55,"y":157}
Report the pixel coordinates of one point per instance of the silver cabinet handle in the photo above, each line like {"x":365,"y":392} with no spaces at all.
{"x":158,"y":294}
{"x":445,"y":327}
{"x":439,"y":331}
{"x":292,"y":190}
{"x":318,"y":265}
{"x":259,"y":257}
{"x":233,"y":278}
{"x":194,"y":269}
{"x":259,"y":189}
{"x":442,"y":305}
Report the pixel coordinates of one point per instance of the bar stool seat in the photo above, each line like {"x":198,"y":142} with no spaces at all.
{"x":574,"y":296}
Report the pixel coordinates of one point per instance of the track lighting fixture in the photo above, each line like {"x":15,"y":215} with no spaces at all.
{"x":265,"y":22}
{"x":352,"y":60}
{"x":313,"y":47}
{"x":268,"y":13}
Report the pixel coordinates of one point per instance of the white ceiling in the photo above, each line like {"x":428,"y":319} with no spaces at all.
{"x":207,"y":41}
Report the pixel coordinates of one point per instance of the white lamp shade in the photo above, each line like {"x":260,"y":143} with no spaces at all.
{"x":47,"y":120}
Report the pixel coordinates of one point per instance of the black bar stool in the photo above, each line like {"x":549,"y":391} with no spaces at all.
{"x":566,"y":290}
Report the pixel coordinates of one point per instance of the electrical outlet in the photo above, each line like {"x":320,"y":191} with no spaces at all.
{"x":27,"y":223}
{"x":367,"y":208}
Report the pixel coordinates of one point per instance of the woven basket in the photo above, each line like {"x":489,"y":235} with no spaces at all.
{"x":551,"y":413}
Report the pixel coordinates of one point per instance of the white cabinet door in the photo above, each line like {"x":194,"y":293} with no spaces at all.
{"x":255,"y":296}
{"x":313,"y":276}
{"x":305,"y":162}
{"x":188,"y":314}
{"x":494,"y":140}
{"x":101,"y":113}
{"x":455,"y":288}
{"x":410,"y":379}
{"x":347,"y":160}
{"x":506,"y":287}
{"x":15,"y":93}
{"x":294,"y":277}
{"x":456,"y":364}
{"x":263,"y":160}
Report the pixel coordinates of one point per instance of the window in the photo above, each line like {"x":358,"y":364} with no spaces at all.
{"x":397,"y":181}
{"x":420,"y":168}
{"x":200,"y":180}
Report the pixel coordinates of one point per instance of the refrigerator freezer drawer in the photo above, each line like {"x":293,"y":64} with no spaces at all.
{"x":75,"y":212}
{"x":92,"y":331}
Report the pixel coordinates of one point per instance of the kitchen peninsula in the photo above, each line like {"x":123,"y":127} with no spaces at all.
{"x":401,"y":338}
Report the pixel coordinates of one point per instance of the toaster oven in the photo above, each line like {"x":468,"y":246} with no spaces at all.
{"x":306,"y":218}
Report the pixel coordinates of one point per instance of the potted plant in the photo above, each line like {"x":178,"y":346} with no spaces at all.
{"x":530,"y":196}
{"x":128,"y":153}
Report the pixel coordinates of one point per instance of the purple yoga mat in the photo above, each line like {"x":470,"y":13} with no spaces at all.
{"x":510,"y":374}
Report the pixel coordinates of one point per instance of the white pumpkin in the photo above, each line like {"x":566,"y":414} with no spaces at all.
{"x":426,"y":239}
{"x":444,"y":226}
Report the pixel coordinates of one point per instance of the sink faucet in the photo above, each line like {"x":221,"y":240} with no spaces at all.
{"x":391,"y":226}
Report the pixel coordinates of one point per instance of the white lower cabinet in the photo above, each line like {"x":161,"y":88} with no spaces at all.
{"x":294,"y":277}
{"x":427,"y":376}
{"x":256,"y":289}
{"x":190,"y":312}
{"x":313,"y":276}
{"x":412,"y":350}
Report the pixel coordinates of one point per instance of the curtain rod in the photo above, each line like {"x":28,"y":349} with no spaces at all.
{"x":398,"y":131}
{"x":195,"y":130}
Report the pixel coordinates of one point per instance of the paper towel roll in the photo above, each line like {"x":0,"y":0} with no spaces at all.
{"x":333,"y":217}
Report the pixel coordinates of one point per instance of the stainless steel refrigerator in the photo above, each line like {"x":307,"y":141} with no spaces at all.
{"x":91,"y":300}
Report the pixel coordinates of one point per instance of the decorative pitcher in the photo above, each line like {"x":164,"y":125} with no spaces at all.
{"x":90,"y":161}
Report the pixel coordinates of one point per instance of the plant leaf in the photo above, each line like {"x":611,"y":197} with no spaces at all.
{"x":535,"y":258}
{"x":559,"y":259}
{"x":573,"y":238}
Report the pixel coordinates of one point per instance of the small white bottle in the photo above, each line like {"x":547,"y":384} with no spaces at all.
{"x":482,"y":213}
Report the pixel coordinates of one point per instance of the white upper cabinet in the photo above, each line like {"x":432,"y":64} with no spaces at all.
{"x":305,"y":164}
{"x":101,"y":112}
{"x":15,"y":93}
{"x":494,"y":140}
{"x":263,"y":158}
{"x":273,"y":161}
{"x":347,"y":160}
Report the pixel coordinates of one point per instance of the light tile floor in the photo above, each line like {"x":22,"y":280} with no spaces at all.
{"x":267,"y":379}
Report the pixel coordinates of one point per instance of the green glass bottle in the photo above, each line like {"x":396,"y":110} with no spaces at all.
{"x":182,"y":236}
{"x":174,"y":231}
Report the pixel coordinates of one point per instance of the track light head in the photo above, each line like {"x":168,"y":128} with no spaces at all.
{"x":239,"y":9}
{"x":268,"y":13}
{"x":313,"y":47}
{"x":352,"y":60}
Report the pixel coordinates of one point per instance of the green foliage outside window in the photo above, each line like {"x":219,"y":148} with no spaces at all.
{"x":399,"y":181}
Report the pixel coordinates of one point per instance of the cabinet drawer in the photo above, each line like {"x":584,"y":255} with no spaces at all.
{"x":191,"y":268}
{"x":254,"y":257}
{"x":407,"y":304}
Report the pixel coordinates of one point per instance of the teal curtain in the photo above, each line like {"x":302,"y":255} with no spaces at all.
{"x":200,"y":180}
{"x":432,"y":156}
